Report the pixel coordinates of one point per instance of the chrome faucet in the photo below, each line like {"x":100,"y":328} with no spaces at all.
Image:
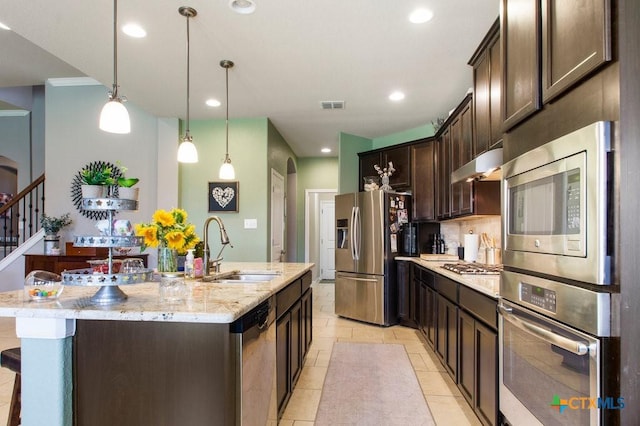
{"x":224,"y":239}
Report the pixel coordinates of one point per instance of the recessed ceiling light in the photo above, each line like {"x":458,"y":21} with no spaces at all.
{"x":325,"y":150}
{"x":134,"y":30}
{"x":420,"y":16}
{"x":213,"y":103}
{"x":4,"y":27}
{"x":396,"y":96}
{"x":244,"y":7}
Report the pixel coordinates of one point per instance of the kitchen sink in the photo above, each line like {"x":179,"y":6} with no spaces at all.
{"x":238,"y":277}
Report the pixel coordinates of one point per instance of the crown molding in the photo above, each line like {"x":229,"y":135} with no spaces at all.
{"x":73,"y":81}
{"x":13,"y":112}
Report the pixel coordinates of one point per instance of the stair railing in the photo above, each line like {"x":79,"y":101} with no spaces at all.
{"x":20,"y":217}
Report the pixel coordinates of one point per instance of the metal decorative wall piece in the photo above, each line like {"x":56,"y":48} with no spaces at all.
{"x":223,"y":196}
{"x":76,"y":192}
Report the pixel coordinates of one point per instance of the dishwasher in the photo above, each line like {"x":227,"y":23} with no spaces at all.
{"x":254,"y":339}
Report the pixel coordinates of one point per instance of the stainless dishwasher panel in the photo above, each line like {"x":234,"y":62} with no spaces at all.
{"x":360,"y":297}
{"x":254,"y":337}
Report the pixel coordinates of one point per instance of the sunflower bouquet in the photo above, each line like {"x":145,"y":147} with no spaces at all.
{"x":168,"y":229}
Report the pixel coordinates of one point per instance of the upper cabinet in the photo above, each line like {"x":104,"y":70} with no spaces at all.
{"x":401,"y":159}
{"x":547,"y":51}
{"x":520,"y":27}
{"x":400,"y":156}
{"x":487,"y":121}
{"x":423,"y":175}
{"x":568,"y":52}
{"x":367,"y":161}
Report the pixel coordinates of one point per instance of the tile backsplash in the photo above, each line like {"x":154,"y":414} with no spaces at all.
{"x":454,"y":232}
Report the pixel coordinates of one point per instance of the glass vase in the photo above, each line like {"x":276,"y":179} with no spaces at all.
{"x":385,"y":183}
{"x":167,"y":259}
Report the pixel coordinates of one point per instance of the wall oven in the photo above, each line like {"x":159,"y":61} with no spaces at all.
{"x":557,"y":213}
{"x":558,"y":353}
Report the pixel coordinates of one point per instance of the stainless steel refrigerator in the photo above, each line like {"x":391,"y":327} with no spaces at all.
{"x":368,"y":228}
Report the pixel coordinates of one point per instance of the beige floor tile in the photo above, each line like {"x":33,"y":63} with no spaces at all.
{"x":323,"y":358}
{"x":332,"y":332}
{"x":312,"y":377}
{"x":303,"y":405}
{"x":449,"y":410}
{"x":436,"y":383}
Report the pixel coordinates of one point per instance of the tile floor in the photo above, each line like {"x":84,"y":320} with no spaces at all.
{"x":445,"y":401}
{"x":447,"y":405}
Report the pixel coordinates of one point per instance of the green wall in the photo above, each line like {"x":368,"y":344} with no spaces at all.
{"x":348,"y":173}
{"x":409,"y":135}
{"x":248,"y":152}
{"x":350,"y":145}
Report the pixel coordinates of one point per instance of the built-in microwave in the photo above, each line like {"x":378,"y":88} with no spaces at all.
{"x":557,"y":212}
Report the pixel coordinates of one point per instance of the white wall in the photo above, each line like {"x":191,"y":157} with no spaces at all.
{"x":74,"y":140}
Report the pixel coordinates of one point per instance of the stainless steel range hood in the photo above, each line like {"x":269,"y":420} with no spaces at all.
{"x":485,"y":167}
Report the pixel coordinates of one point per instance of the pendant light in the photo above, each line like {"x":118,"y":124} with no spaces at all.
{"x":187,"y":152}
{"x":114,"y":117}
{"x":226,"y":170}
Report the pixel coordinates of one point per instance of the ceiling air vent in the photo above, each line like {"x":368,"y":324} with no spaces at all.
{"x":332,"y":104}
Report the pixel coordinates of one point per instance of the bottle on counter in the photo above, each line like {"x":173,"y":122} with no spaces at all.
{"x":198,"y":267}
{"x":435,"y":245}
{"x":189,"y":265}
{"x":442,"y":248}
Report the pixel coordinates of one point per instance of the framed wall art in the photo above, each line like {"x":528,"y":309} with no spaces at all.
{"x":223,"y":196}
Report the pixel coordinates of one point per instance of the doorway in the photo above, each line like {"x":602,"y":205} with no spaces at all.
{"x":327,"y":240}
{"x":314,"y":227}
{"x":277,"y":216}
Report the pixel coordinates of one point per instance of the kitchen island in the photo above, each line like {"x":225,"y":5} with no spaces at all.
{"x":154,"y":358}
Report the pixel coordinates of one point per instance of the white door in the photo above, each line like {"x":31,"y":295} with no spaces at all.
{"x":277,"y":216}
{"x":327,"y":240}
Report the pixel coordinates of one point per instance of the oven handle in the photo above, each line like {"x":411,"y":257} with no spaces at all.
{"x":572,"y":346}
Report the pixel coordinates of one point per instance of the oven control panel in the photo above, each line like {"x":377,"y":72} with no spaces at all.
{"x":538,"y":296}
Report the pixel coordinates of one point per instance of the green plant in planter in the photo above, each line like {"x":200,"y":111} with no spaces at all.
{"x":100,"y":176}
{"x":125,"y":181}
{"x":53,"y":225}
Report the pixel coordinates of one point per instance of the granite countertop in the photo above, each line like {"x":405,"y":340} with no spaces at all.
{"x":486,"y":284}
{"x":206,"y":302}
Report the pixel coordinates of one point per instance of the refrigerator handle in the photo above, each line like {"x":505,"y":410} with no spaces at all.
{"x":357,"y":228}
{"x":352,"y":233}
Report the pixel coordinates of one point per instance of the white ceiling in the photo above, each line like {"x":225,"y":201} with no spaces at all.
{"x":290,"y":55}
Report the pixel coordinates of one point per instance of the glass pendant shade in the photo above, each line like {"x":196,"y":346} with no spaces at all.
{"x":227,"y":171}
{"x":114,"y":117}
{"x":187,"y":152}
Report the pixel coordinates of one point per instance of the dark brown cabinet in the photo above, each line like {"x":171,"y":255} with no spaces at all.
{"x":367,"y":161}
{"x":461,"y":326}
{"x":423,"y":173}
{"x":443,"y":165}
{"x":478,"y":353}
{"x":447,"y":324}
{"x":487,"y":121}
{"x":401,"y":159}
{"x":520,"y":39}
{"x":307,"y":320}
{"x":447,"y":335}
{"x":461,"y":153}
{"x":407,"y":295}
{"x":545,"y":52}
{"x":293,"y":335}
{"x":59,"y":264}
{"x":568,"y":53}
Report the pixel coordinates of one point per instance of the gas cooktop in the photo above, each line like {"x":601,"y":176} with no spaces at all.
{"x":473,"y":268}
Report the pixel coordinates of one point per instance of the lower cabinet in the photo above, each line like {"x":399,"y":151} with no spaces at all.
{"x":461,"y":325}
{"x":447,"y":335}
{"x":293,"y":335}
